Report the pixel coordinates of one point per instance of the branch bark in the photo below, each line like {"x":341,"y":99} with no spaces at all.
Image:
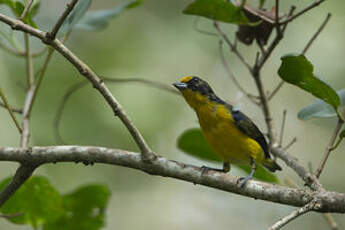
{"x":61,"y":20}
{"x":293,"y":17}
{"x":22,"y":174}
{"x":328,"y":201}
{"x":10,"y":111}
{"x":285,"y":220}
{"x":329,"y":147}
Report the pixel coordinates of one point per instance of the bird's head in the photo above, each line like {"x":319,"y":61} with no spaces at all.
{"x":196,"y":91}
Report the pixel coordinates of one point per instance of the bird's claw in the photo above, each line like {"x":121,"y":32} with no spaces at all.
{"x":204,"y":169}
{"x":243,"y":180}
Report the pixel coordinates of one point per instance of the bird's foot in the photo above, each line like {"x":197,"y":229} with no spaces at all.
{"x":243,"y":180}
{"x":204,"y":169}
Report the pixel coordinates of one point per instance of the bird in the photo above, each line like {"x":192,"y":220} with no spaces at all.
{"x":231,"y":134}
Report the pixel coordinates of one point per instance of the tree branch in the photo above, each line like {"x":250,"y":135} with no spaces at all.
{"x":285,"y":220}
{"x":275,"y":91}
{"x":328,"y":201}
{"x":293,"y":17}
{"x":282,"y":129}
{"x":25,"y":135}
{"x":251,"y":97}
{"x":317,"y":33}
{"x":61,"y":20}
{"x":329,"y":148}
{"x":15,"y":110}
{"x":276,"y":19}
{"x":330,"y":220}
{"x":85,"y":70}
{"x":23,"y":173}
{"x":26,"y":9}
{"x":303,"y":173}
{"x":10,"y":111}
{"x":232,"y":46}
{"x":265,"y":106}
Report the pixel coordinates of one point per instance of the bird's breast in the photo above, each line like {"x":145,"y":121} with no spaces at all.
{"x":224,"y":137}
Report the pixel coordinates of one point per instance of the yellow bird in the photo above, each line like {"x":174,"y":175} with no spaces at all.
{"x":231,"y":134}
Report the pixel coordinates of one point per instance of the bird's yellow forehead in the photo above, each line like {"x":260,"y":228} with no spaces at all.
{"x":186,"y":79}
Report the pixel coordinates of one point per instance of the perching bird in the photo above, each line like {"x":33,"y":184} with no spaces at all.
{"x":231,"y":134}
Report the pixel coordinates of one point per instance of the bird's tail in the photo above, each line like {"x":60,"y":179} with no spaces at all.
{"x":271,"y":165}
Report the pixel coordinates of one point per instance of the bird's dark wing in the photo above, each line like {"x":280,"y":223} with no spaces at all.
{"x":244,"y":124}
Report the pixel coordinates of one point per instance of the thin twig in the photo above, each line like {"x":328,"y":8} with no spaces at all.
{"x":262,"y":48}
{"x":282,"y":129}
{"x":275,"y":91}
{"x":40,"y":78}
{"x":316,"y":33}
{"x":233,"y":48}
{"x":22,"y":174}
{"x":269,"y":50}
{"x":276,"y":19}
{"x":251,"y":97}
{"x":291,"y":11}
{"x":311,"y":6}
{"x":285,"y":220}
{"x":15,"y":110}
{"x":329,"y":148}
{"x":330,"y":201}
{"x":265,"y":107}
{"x":26,"y":9}
{"x":337,"y":144}
{"x":25,"y":135}
{"x":309,"y":179}
{"x":328,"y":216}
{"x":85,"y":70}
{"x":293,"y":141}
{"x":10,"y":111}
{"x":61,"y":20}
{"x":257,"y":56}
{"x":331,"y":221}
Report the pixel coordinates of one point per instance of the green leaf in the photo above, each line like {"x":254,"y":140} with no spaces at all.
{"x":320,"y":109}
{"x":297,"y":70}
{"x":77,"y":13}
{"x":83,"y":209}
{"x":193,"y":142}
{"x":96,"y":20}
{"x":262,"y":2}
{"x":35,"y":8}
{"x":18,"y":8}
{"x":220,"y":10}
{"x":36,"y":199}
{"x":9,"y":3}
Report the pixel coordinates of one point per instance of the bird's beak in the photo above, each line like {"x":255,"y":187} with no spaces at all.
{"x":180,"y":85}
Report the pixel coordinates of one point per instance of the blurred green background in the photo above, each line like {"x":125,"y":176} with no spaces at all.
{"x":156,"y":41}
